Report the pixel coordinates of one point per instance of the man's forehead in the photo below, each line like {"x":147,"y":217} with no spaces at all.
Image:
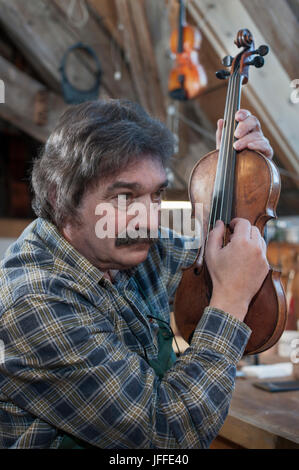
{"x":139,"y":177}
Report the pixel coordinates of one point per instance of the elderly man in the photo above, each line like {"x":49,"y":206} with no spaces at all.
{"x":84,"y":318}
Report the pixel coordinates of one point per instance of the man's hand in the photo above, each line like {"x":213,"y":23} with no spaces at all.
{"x":238,"y":269}
{"x":248,"y":133}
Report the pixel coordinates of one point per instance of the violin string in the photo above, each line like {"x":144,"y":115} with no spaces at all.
{"x":221,"y":157}
{"x":230,"y":151}
{"x":233,"y":151}
{"x":228,"y":147}
{"x":215,"y":195}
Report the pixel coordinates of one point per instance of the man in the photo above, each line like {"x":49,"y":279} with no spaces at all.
{"x":84,"y":318}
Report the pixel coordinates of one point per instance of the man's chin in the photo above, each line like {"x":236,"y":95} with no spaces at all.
{"x":135,"y":253}
{"x":131,"y":244}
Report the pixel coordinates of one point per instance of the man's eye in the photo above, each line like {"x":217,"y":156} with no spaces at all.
{"x":125,"y":196}
{"x":158,"y":195}
{"x":124,"y":199}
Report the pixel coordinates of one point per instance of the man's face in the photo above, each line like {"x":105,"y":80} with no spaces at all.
{"x":119,"y":205}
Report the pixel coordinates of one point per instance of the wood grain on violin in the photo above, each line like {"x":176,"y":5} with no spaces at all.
{"x":233,"y":184}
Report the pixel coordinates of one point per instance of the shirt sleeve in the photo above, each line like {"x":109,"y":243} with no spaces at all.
{"x":74,"y":373}
{"x":177,"y":252}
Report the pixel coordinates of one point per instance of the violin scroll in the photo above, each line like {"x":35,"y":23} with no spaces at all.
{"x":244,"y":38}
{"x":242,"y":61}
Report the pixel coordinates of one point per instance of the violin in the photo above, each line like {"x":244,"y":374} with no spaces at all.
{"x":188,"y":78}
{"x":233,"y":184}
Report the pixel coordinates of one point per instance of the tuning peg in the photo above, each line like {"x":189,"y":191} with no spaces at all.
{"x":258,"y":62}
{"x":227,"y":61}
{"x":263,"y":50}
{"x":222,"y":74}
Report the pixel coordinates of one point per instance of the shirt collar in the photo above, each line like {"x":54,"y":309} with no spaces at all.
{"x":61,"y":249}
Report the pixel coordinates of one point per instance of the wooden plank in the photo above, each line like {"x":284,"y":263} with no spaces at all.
{"x":294,"y":6}
{"x":107,"y":12}
{"x":280,"y":29}
{"x":247,"y":435}
{"x":222,"y":443}
{"x":106,"y":48}
{"x":40,"y":30}
{"x":147,"y":56}
{"x":20,"y":93}
{"x":6,"y":50}
{"x":132,"y":52}
{"x":268,"y":89}
{"x":157,"y":14}
{"x":37,"y":33}
{"x":12,"y":228}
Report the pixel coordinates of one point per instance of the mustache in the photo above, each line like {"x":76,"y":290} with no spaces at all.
{"x":144,"y":235}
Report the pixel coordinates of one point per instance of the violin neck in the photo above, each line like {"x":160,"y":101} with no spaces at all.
{"x":182,"y":22}
{"x":222,"y":203}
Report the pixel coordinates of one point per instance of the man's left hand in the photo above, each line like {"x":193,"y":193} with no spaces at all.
{"x":249,"y":134}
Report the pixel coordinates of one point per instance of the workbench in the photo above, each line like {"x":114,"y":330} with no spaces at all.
{"x":260,"y":420}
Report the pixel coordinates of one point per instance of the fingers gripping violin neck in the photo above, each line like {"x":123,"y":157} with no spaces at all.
{"x":232,"y":184}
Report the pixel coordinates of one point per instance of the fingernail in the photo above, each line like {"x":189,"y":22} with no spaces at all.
{"x":237,"y":145}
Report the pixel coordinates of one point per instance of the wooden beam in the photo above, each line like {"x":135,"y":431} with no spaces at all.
{"x":108,"y":51}
{"x":132,"y":52}
{"x":12,"y":228}
{"x":157,"y":14}
{"x":107,"y":12}
{"x":294,"y":6}
{"x":20,"y":94}
{"x":39,"y":36}
{"x":280,"y":30}
{"x":146,"y":53}
{"x":127,"y":23}
{"x":268,"y":90}
{"x":41,"y":30}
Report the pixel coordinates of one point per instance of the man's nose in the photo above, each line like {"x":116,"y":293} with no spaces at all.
{"x":148,"y":216}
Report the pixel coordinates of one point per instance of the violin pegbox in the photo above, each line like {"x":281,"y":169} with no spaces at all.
{"x":242,"y":61}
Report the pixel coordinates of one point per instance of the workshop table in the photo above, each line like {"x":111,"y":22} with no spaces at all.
{"x":260,"y":420}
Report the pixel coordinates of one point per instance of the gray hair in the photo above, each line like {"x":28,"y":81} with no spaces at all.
{"x":91,"y":141}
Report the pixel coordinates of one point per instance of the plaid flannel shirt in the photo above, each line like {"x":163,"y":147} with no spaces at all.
{"x":77,"y":351}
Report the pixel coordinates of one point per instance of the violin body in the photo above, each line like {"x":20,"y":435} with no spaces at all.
{"x":191,"y":39}
{"x":256,"y":194}
{"x":187,"y":78}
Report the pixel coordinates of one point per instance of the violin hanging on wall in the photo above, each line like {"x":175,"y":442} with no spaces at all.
{"x":188,"y":78}
{"x":233,"y":184}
